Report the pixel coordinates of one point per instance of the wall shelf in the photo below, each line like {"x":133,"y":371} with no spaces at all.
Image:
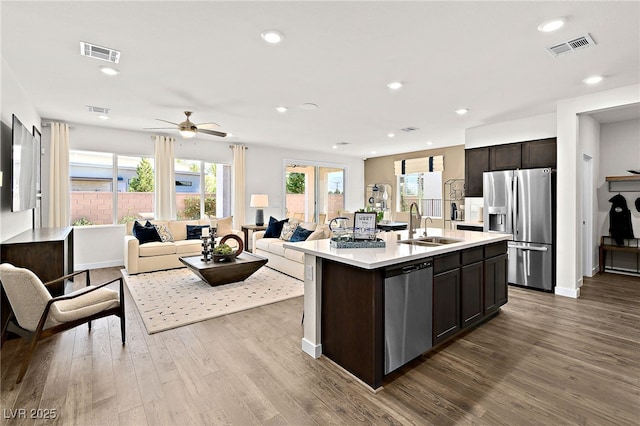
{"x":630,"y":183}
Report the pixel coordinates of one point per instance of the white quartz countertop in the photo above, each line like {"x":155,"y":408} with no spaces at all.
{"x":394,"y":252}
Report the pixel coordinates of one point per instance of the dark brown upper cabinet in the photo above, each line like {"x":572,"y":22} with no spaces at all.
{"x":505,"y":157}
{"x":539,"y":153}
{"x":523,"y":155}
{"x":476,"y":162}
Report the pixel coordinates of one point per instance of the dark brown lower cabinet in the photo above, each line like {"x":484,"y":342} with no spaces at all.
{"x":446,"y":305}
{"x":471,"y":293}
{"x":495,"y":283}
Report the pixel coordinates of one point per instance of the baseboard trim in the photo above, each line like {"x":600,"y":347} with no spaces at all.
{"x":311,"y":349}
{"x":98,"y":265}
{"x":568,"y":292}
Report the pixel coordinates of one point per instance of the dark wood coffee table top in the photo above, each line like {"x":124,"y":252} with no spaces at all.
{"x":219,"y":273}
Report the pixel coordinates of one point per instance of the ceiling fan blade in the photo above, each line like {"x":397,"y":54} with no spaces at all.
{"x":207,"y":125}
{"x":212,"y":132}
{"x":170,"y":122}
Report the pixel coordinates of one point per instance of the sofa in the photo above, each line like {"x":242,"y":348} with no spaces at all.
{"x":159,"y":255}
{"x":285,"y":260}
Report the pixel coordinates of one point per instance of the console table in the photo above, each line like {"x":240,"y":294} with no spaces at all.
{"x":48,"y":252}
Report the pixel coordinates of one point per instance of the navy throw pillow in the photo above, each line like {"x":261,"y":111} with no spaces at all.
{"x":274,"y":229}
{"x":194,"y":232}
{"x":146,"y":233}
{"x":300,"y":234}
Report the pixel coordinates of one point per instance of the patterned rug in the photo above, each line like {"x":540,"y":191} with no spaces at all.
{"x":170,"y":299}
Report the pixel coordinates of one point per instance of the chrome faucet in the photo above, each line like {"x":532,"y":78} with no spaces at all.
{"x":412,"y":228}
{"x":424,"y":234}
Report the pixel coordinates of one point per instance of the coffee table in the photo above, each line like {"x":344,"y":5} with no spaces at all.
{"x":219,"y":273}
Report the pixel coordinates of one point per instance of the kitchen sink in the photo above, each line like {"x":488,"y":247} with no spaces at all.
{"x":430,"y":241}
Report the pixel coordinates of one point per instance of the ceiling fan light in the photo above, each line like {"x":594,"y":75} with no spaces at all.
{"x":187,"y":133}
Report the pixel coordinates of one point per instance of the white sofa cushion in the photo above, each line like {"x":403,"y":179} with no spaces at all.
{"x":157,"y":249}
{"x":188,"y":246}
{"x":276,"y":246}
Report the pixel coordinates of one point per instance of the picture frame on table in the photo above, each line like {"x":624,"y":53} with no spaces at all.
{"x":364,"y":225}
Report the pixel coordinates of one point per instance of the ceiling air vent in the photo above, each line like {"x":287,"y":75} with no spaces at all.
{"x":99,"y":110}
{"x":99,"y":52}
{"x":342,"y":143}
{"x":409,"y":129}
{"x":571,"y":45}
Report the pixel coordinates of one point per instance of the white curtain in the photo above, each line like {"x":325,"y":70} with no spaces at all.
{"x":59,"y":200}
{"x":165,"y":185}
{"x":238,"y":185}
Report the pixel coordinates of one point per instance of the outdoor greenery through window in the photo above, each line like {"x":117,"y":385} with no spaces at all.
{"x":198,"y":185}
{"x":425,"y":189}
{"x":107,"y":188}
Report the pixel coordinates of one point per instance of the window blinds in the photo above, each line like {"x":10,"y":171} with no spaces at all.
{"x":419,"y":165}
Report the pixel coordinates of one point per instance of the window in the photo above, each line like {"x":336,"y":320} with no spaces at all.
{"x":202,"y":186}
{"x":136,"y":188}
{"x":107,"y":188}
{"x":425,"y":189}
{"x":314,"y":193}
{"x":91,"y":175}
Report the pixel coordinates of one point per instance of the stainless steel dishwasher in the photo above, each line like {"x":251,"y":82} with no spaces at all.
{"x":407,"y":312}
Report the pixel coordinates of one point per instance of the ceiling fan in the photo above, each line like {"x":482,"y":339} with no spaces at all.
{"x":188,"y":129}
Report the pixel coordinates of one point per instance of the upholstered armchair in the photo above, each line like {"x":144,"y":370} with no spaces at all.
{"x":37,"y":315}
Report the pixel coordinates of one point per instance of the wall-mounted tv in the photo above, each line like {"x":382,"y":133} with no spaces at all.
{"x":25,"y":154}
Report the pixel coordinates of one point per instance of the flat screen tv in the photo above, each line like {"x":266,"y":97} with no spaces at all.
{"x":25,"y":156}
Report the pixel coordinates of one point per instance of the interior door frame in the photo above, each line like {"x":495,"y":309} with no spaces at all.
{"x":587,"y":216}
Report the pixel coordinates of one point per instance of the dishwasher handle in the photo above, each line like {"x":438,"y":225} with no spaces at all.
{"x":407,"y":269}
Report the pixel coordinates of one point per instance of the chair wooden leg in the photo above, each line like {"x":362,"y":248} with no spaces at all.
{"x":27,"y":359}
{"x":122,"y":328}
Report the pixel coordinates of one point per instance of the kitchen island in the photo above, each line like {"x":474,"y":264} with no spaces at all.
{"x":353,"y":302}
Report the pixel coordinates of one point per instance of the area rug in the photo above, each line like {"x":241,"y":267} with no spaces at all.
{"x":177,"y":297}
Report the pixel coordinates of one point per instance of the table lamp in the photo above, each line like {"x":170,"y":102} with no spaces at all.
{"x":259,"y":201}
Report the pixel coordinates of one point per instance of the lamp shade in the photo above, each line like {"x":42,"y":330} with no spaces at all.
{"x":259,"y":200}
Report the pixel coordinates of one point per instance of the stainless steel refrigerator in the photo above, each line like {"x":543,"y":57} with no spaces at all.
{"x":522,"y":203}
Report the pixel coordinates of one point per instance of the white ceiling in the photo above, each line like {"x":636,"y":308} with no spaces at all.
{"x":208,"y":57}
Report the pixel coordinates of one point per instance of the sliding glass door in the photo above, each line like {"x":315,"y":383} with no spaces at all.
{"x":314,"y":193}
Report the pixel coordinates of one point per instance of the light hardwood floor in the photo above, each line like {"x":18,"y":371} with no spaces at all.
{"x":544,"y":360}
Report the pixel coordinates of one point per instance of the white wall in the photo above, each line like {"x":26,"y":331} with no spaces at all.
{"x":569,"y":271}
{"x":524,"y":129}
{"x":102,"y":246}
{"x":14,"y":100}
{"x":620,"y":151}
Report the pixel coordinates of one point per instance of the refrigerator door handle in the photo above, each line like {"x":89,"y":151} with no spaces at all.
{"x":516,"y":201}
{"x":528,"y":248}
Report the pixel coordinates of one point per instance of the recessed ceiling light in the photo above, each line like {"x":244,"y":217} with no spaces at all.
{"x":462,"y":111}
{"x":335,"y":147}
{"x":373,"y":152}
{"x":391,"y":135}
{"x":552,"y":25}
{"x":595,"y":79}
{"x":429,"y":143}
{"x":109,"y":71}
{"x":308,"y":106}
{"x":281,"y":108}
{"x":229,"y":135}
{"x":272,"y":36}
{"x":103,"y":117}
{"x":394,"y":85}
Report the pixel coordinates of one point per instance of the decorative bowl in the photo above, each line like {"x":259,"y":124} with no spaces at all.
{"x":231,"y":256}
